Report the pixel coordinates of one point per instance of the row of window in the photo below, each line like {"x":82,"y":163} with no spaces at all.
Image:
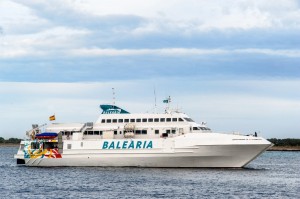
{"x":137,"y":132}
{"x":145,"y":120}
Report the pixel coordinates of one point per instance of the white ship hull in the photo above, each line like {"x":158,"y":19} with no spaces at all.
{"x":191,"y":150}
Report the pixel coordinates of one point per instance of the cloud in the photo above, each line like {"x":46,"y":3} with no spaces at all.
{"x":181,"y":52}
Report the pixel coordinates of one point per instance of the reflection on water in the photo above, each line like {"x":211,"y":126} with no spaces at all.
{"x":272,"y":175}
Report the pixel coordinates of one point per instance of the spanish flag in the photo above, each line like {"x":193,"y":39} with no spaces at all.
{"x":52,"y":117}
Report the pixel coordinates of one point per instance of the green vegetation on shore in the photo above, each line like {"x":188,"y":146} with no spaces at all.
{"x":10,"y":141}
{"x":285,"y":142}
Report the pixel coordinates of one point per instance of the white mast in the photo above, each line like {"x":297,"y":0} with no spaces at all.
{"x":114,"y":97}
{"x":155,"y":111}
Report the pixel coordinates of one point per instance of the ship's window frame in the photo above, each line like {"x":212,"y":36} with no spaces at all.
{"x":150,"y":119}
{"x":90,"y":133}
{"x":162,"y":119}
{"x":96,"y":132}
{"x":101,"y":132}
{"x":168,"y":131}
{"x":138,"y":132}
{"x":156,"y":131}
{"x":126,"y":120}
{"x":120,"y":120}
{"x":114,"y":120}
{"x":173,"y":131}
{"x":138,"y":120}
{"x":180,"y":119}
{"x":168,"y":119}
{"x":144,"y":132}
{"x":196,"y":128}
{"x":174,"y":119}
{"x":35,"y":145}
{"x":132,"y":120}
{"x":108,"y":121}
{"x":85,"y":133}
{"x":144,"y":120}
{"x":115,"y":132}
{"x":49,"y":145}
{"x":103,"y":121}
{"x":156,"y":119}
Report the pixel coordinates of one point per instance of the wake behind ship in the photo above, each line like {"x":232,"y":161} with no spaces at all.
{"x":119,"y":138}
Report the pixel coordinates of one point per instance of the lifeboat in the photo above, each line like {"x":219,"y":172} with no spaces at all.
{"x":46,"y":135}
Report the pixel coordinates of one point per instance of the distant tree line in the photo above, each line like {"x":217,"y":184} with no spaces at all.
{"x":10,"y":140}
{"x":285,"y":142}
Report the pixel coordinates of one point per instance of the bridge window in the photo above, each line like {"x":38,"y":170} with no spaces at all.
{"x":180,"y":120}
{"x":156,"y":119}
{"x":120,"y":120}
{"x":108,"y":121}
{"x":144,"y":119}
{"x":162,"y":119}
{"x":150,"y":119}
{"x":174,"y":119}
{"x":115,"y":120}
{"x":168,"y":119}
{"x":144,"y":131}
{"x":132,"y":120}
{"x":138,"y":120}
{"x":205,"y":128}
{"x":195,"y":128}
{"x":96,"y":132}
{"x":126,"y":120}
{"x":188,"y":119}
{"x":90,"y":132}
{"x":103,"y":121}
{"x":137,"y":131}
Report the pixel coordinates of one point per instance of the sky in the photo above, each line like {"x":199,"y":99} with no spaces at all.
{"x":232,"y":64}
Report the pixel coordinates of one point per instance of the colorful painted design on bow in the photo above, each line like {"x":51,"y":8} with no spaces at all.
{"x":36,"y":149}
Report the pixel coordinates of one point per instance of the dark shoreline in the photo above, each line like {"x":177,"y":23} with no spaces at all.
{"x":9,"y":144}
{"x":284,"y":148}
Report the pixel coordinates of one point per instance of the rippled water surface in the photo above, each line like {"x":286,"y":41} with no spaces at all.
{"x":272,"y":175}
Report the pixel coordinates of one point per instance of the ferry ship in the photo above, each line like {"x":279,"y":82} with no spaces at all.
{"x":121,"y":139}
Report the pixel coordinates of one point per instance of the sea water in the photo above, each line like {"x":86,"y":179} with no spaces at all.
{"x":272,"y":175}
